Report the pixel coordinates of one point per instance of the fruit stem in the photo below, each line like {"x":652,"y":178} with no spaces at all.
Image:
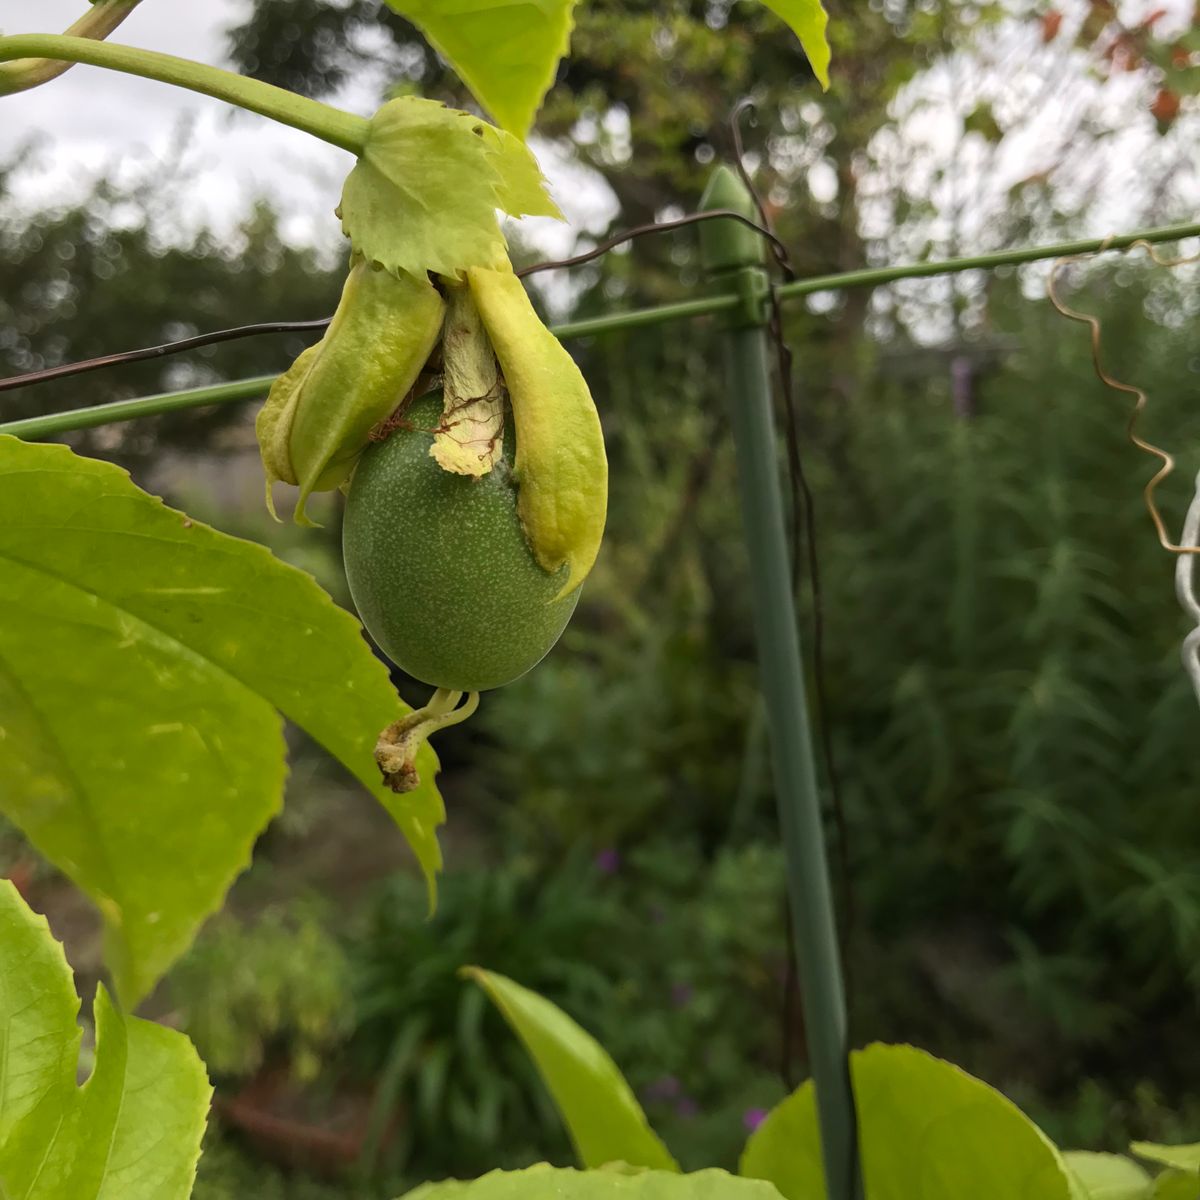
{"x":454,"y":716}
{"x":397,"y":747}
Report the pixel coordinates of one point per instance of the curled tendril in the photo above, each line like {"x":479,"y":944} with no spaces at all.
{"x":1188,"y":547}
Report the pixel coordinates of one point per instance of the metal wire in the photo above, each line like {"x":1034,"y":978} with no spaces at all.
{"x":319,"y":324}
{"x":121,"y":357}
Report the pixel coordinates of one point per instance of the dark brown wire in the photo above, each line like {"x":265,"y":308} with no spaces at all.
{"x":167,"y":348}
{"x":779,"y":249}
{"x":66,"y":370}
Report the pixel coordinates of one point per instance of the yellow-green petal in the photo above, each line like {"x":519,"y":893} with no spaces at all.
{"x":560,"y":465}
{"x":324,"y":407}
{"x":273,"y":425}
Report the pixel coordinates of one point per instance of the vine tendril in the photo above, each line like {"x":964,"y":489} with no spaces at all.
{"x":1139,"y":394}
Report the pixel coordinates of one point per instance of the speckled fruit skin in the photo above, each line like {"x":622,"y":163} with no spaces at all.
{"x":439,"y":568}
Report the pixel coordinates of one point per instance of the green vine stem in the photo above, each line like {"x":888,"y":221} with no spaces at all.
{"x":98,"y":22}
{"x":333,"y":125}
{"x":142,"y":406}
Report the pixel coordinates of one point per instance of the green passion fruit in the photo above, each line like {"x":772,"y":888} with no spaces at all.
{"x":438,"y":565}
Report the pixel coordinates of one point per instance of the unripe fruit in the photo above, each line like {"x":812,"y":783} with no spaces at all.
{"x":439,"y":566}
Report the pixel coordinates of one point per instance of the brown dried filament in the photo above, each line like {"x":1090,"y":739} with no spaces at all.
{"x":1139,"y":395}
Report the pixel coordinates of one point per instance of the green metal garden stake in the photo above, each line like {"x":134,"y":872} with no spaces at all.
{"x":734,"y":254}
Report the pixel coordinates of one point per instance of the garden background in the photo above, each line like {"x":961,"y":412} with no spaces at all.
{"x":1012,"y":734}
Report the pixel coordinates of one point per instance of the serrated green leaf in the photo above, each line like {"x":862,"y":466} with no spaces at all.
{"x":39,"y":1037}
{"x":143,"y":657}
{"x":926,"y":1128}
{"x":133,"y":1131}
{"x":402,"y":214}
{"x":521,"y":188}
{"x":602,"y":1115}
{"x":505,"y":51}
{"x":1182,"y":1158}
{"x":1108,"y":1176}
{"x":808,"y":21}
{"x":544,"y":1182}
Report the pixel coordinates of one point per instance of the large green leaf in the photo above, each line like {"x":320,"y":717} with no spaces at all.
{"x":807,"y":20}
{"x":602,"y":1114}
{"x":133,"y":1131}
{"x":143,"y":657}
{"x":505,"y":51}
{"x":926,"y":1129}
{"x":1182,"y":1158}
{"x":1176,"y":1185}
{"x":1108,"y":1176}
{"x":562,"y":1183}
{"x":406,"y":216}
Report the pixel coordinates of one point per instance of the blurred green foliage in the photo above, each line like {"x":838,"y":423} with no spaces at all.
{"x":1005,"y":684}
{"x":275,"y":988}
{"x":686,"y":1008}
{"x":465,"y":1094}
{"x":1014,"y":737}
{"x":227,"y":1173}
{"x":680,"y":1007}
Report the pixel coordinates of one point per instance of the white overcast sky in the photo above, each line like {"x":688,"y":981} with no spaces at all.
{"x":93,"y":120}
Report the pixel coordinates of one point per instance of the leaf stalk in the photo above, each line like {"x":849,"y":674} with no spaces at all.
{"x":342,"y":129}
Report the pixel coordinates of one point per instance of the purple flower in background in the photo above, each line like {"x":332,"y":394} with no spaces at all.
{"x":687,"y":1107}
{"x":665,"y":1088}
{"x":681,"y":994}
{"x":752,"y":1118}
{"x":608,"y":861}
